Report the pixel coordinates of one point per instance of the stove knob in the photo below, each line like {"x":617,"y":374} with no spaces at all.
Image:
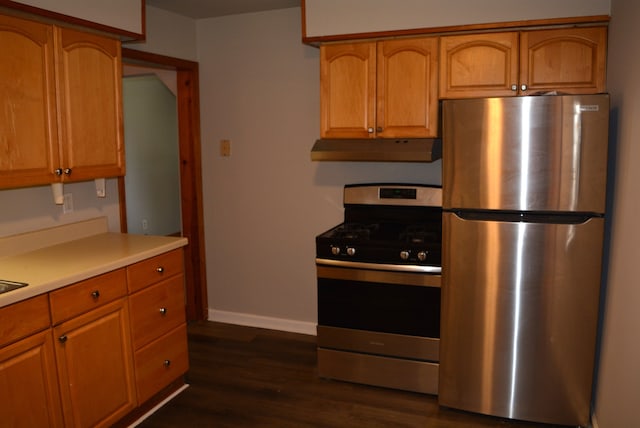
{"x":351,"y":251}
{"x":422,"y":256}
{"x":404,"y":255}
{"x":335,"y":250}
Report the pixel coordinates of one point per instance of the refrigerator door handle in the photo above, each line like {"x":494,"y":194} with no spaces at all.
{"x":525,"y":217}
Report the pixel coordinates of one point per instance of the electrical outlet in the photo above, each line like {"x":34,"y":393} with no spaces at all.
{"x":145,"y":224}
{"x":67,"y":203}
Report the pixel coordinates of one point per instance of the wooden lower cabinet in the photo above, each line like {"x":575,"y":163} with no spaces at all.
{"x":29,"y":394}
{"x":158,"y":322}
{"x":97,"y":352}
{"x":95,"y":366}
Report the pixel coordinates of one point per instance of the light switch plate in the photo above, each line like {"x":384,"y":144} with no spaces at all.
{"x":225,"y":148}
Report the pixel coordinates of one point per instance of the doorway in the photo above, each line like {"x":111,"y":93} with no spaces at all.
{"x":190,"y":172}
{"x":152,"y":183}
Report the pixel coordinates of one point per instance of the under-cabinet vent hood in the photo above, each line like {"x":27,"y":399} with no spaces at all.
{"x":378,"y":150}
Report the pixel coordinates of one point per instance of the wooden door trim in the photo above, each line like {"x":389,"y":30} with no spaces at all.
{"x":190,"y":174}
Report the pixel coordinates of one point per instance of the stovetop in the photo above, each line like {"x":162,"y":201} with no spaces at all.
{"x":386,"y":243}
{"x":404,"y":228}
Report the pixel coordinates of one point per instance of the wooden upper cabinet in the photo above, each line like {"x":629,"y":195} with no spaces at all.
{"x":28,"y":131}
{"x":90,"y":100}
{"x":61,"y":99}
{"x":478,"y":65}
{"x":385,"y":89}
{"x":569,"y":60}
{"x":407,"y":82}
{"x":347,"y":90}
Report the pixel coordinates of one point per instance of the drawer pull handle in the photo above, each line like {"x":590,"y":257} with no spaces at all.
{"x":63,"y":338}
{"x":95,"y":294}
{"x":167,"y":363}
{"x":163,"y":311}
{"x":160,"y":269}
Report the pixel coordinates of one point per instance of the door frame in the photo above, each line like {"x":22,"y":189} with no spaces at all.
{"x":188,"y":103}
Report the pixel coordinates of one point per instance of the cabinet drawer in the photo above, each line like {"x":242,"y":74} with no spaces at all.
{"x":161,"y":362}
{"x":150,"y":271}
{"x":23,"y":318}
{"x":157,"y":310}
{"x":83,"y":296}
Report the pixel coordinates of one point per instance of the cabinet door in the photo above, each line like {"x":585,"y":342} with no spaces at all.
{"x":347,"y":90}
{"x":90,"y":104}
{"x":29,"y":394}
{"x":571,"y":60}
{"x":479,"y":65}
{"x":28,"y":133}
{"x":407,"y":99}
{"x":95,"y":365}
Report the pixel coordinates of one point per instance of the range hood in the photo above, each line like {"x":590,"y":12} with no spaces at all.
{"x":377,"y":150}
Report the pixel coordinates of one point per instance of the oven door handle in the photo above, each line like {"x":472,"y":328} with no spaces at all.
{"x":379,"y":266}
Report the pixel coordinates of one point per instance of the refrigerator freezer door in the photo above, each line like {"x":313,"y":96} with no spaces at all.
{"x":519,"y":315}
{"x":537,"y":153}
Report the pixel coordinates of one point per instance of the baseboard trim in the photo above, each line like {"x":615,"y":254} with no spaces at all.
{"x":270,"y":323}
{"x":157,"y":406}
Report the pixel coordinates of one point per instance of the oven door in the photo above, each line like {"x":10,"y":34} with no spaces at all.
{"x":379,"y":312}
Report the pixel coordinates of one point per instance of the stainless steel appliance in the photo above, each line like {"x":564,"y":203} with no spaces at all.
{"x":524,"y":199}
{"x":379,"y":288}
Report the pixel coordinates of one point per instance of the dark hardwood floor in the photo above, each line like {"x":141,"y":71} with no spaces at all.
{"x":250,"y":377}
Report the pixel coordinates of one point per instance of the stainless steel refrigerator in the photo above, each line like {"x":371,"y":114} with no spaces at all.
{"x":524,"y":182}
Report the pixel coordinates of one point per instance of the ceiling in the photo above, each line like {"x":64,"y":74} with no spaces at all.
{"x":198,"y":9}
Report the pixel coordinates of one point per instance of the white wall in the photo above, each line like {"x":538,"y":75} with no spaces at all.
{"x":168,"y":34}
{"x":265,"y":204}
{"x":618,"y":387}
{"x":331,"y":17}
{"x":32,"y":208}
{"x":123,"y":14}
{"x":153,"y":162}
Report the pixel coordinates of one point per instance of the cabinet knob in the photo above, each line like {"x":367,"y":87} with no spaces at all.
{"x":370,"y":130}
{"x":63,"y":338}
{"x":379,"y":129}
{"x":163,"y":311}
{"x":514,"y":87}
{"x":95,"y":294}
{"x":523,"y":87}
{"x":67,"y":171}
{"x":57,"y":171}
{"x":167,"y":363}
{"x":160,"y":269}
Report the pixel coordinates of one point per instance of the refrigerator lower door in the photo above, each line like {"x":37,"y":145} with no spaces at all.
{"x":519,"y":318}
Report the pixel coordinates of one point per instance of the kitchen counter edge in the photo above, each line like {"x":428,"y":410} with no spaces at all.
{"x":57,"y":266}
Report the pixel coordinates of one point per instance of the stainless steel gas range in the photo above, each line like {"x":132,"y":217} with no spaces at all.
{"x":379,"y":288}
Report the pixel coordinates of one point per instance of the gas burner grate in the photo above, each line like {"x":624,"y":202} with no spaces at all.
{"x":419,"y":234}
{"x":355,"y":231}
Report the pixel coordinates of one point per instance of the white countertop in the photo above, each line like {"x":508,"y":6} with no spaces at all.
{"x":61,"y":264}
